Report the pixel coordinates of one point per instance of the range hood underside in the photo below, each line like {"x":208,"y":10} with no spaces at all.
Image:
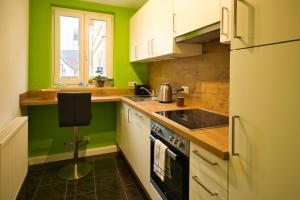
{"x":202,"y":35}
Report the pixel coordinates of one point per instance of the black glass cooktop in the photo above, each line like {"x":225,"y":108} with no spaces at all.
{"x":195,"y":118}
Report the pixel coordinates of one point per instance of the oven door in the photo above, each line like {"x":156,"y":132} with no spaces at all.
{"x":176,"y":184}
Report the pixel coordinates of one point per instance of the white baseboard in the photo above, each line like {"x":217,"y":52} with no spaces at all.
{"x":69,"y":155}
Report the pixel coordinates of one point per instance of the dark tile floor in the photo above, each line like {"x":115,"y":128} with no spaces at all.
{"x":110,"y":179}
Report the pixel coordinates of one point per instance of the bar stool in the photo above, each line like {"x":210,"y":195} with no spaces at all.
{"x":74,"y":109}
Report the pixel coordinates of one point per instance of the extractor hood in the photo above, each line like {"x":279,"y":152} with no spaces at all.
{"x":202,"y":35}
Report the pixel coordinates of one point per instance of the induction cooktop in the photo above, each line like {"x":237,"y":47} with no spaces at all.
{"x":196,"y":118}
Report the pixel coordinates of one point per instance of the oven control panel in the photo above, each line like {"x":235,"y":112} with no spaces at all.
{"x":171,"y":137}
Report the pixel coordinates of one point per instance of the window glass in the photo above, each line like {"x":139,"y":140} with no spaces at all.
{"x":97,"y":48}
{"x":69,"y":47}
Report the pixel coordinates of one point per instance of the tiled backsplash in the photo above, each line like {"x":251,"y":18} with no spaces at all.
{"x":206,"y":75}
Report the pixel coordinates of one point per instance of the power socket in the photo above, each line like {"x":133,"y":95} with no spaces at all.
{"x":86,"y":139}
{"x":185,"y":89}
{"x":132,"y":83}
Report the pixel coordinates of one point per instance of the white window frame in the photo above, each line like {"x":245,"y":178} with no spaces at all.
{"x":84,"y":18}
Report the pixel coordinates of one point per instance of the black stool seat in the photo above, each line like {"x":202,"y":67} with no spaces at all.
{"x":74,"y":109}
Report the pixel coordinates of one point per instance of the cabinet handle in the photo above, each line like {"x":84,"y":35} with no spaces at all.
{"x":235,"y":35}
{"x":135,"y":51}
{"x":149,"y":47}
{"x":196,"y":179}
{"x":152,"y":47}
{"x":174,"y":23}
{"x":128,"y":115}
{"x":233,"y":152}
{"x":203,"y":158}
{"x":223,"y":9}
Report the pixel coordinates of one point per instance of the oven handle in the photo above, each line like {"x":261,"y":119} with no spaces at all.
{"x":169,"y":152}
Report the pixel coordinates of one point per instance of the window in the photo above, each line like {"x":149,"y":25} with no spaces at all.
{"x":83,"y":45}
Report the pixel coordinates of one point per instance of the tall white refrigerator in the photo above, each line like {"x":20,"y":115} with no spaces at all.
{"x":265,"y":101}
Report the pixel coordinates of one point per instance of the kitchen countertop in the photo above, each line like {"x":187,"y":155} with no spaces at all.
{"x":215,"y":140}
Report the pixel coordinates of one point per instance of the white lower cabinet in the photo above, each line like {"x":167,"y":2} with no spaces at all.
{"x":133,"y":138}
{"x":208,"y":175}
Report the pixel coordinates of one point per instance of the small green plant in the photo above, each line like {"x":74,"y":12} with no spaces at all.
{"x":99,"y":77}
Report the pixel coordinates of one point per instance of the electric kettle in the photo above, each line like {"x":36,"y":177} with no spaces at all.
{"x":165,"y":93}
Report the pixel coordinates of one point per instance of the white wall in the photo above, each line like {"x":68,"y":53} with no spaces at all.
{"x":14,"y":17}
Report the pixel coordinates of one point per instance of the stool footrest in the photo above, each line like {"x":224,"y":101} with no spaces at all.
{"x":80,"y":143}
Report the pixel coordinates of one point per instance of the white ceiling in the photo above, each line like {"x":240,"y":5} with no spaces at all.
{"x":122,"y":3}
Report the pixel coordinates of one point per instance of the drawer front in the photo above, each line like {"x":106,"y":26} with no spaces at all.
{"x":141,"y":119}
{"x":209,"y":166}
{"x":201,"y":189}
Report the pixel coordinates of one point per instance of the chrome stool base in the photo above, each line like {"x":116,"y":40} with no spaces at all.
{"x":74,"y":171}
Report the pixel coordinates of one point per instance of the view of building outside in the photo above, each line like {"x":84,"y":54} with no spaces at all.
{"x":69,"y":46}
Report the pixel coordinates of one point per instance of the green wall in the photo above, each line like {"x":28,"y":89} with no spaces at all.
{"x":45,"y":137}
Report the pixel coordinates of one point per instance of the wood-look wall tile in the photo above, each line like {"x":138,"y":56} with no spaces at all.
{"x":207,"y":76}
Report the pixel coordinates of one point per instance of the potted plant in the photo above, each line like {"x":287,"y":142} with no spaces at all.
{"x":100,"y":80}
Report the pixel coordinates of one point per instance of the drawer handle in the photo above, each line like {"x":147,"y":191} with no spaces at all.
{"x":205,"y":159}
{"x":196,"y":179}
{"x":138,"y":115}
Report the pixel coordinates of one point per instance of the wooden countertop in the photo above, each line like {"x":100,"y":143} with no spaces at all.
{"x":48,"y":96}
{"x":215,"y":140}
{"x":39,"y":101}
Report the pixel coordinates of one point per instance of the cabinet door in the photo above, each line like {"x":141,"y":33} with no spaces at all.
{"x":134,"y":38}
{"x":264,"y":92}
{"x":151,"y":30}
{"x":225,"y":26}
{"x":133,"y":137}
{"x":124,"y":131}
{"x":139,"y":35}
{"x":161,"y":40}
{"x":140,"y":144}
{"x":191,"y":15}
{"x":260,"y":22}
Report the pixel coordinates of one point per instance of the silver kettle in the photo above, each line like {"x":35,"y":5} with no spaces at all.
{"x":165,"y":93}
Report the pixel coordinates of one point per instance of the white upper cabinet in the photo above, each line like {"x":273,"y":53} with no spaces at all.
{"x":139,"y":30}
{"x":151,"y":30}
{"x":152,"y":34}
{"x":190,"y":15}
{"x":260,"y":22}
{"x":161,"y":40}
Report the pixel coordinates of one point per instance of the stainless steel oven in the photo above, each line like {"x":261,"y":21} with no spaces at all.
{"x":176,"y":184}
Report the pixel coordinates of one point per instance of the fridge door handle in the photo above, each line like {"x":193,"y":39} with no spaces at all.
{"x":233,"y":119}
{"x":235,"y":35}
